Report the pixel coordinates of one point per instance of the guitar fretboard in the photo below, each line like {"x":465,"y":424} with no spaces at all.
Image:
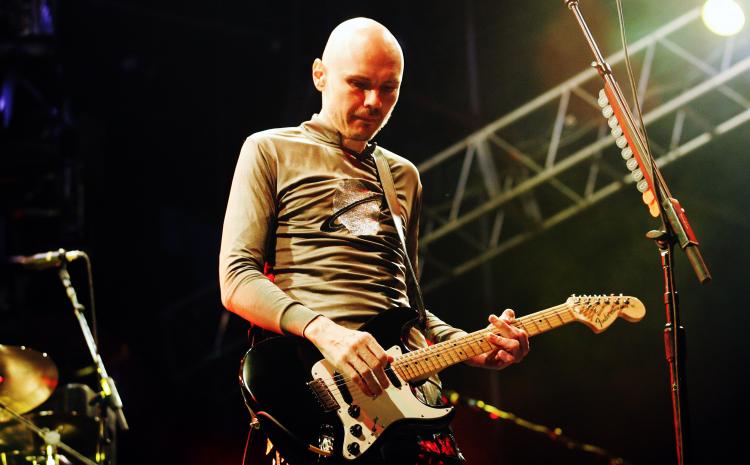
{"x":422,"y":363}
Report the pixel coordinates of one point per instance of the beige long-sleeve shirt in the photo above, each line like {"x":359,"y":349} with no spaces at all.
{"x":317,"y":214}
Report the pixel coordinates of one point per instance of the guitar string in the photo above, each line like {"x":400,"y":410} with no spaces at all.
{"x":468,"y":340}
{"x":358,"y":394}
{"x":521,"y":322}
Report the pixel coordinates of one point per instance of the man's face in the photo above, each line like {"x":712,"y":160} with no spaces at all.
{"x":361,"y":90}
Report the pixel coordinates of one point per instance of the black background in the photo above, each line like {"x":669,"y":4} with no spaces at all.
{"x":159,"y":97}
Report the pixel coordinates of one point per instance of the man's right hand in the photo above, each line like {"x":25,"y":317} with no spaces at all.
{"x":356,"y":355}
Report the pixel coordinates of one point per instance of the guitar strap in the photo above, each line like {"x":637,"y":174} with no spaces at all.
{"x":389,"y":190}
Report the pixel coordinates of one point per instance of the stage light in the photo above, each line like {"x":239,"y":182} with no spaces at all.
{"x":723,"y":17}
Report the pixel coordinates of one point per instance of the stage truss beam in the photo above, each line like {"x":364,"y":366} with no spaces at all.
{"x":506,"y":191}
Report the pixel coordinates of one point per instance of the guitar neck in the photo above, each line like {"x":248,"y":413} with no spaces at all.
{"x":432,"y":359}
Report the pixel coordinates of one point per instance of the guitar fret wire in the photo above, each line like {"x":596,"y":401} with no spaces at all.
{"x":420,"y":357}
{"x":476,"y":336}
{"x":467,"y":341}
{"x":410,"y":355}
{"x":471,"y":338}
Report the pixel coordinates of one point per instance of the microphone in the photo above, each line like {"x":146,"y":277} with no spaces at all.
{"x":45,"y":260}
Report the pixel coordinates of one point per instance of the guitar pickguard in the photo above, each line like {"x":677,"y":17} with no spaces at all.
{"x":366,"y":418}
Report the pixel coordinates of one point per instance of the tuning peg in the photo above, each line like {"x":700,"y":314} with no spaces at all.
{"x":637,"y":175}
{"x":607,"y":111}
{"x":616,"y":131}
{"x":621,"y":142}
{"x":627,"y":153}
{"x":612,"y":121}
{"x":631,"y":164}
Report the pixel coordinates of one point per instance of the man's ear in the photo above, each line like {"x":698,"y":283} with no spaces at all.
{"x":319,"y":74}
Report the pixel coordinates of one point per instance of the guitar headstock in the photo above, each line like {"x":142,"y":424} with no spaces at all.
{"x":598,"y":312}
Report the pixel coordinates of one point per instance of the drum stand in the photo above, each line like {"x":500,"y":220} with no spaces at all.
{"x":51,"y":440}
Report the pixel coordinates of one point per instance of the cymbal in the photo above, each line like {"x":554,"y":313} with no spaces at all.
{"x":27,"y":379}
{"x":16,"y":437}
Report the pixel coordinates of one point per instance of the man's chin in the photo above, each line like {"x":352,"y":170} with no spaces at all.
{"x":362,"y":136}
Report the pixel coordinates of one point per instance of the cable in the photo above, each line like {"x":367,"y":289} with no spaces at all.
{"x":247,"y":444}
{"x":631,"y":78}
{"x":91,"y":298}
{"x":554,"y":434}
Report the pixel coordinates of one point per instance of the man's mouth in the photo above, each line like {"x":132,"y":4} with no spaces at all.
{"x":370,"y":119}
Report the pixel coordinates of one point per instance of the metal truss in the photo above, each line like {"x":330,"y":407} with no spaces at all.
{"x":554,"y":157}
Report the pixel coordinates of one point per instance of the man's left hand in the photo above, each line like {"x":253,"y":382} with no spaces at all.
{"x":510,"y":346}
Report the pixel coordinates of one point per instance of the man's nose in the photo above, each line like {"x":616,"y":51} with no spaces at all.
{"x":372,"y":99}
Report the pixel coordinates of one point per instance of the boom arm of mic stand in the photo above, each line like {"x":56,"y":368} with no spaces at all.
{"x":107,"y":383}
{"x":673,"y":216}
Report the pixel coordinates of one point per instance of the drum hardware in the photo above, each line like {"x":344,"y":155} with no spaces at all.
{"x":69,"y":418}
{"x":50,"y":438}
{"x":77,"y":413}
{"x":59,"y":259}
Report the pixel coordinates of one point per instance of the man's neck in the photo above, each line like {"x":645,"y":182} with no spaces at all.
{"x":351,"y":144}
{"x":355,"y":145}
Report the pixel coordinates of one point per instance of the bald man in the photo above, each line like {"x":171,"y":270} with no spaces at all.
{"x":306,"y":206}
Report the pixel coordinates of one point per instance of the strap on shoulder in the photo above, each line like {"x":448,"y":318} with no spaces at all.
{"x":389,"y":189}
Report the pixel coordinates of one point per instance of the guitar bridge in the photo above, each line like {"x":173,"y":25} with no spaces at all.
{"x":323,"y":395}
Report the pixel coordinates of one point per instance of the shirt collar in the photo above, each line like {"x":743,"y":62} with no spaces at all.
{"x":318,"y":129}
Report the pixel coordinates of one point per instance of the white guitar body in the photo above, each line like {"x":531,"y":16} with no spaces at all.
{"x":375,"y":414}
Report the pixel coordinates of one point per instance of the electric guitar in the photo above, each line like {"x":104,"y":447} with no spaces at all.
{"x":312,"y":414}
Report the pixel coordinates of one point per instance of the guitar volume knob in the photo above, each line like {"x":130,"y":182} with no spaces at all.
{"x":353,"y":448}
{"x":356,"y":430}
{"x":353,"y":411}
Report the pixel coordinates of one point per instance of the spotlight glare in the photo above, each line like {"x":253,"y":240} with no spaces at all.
{"x":723,"y":17}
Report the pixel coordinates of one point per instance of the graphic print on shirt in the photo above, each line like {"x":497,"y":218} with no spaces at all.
{"x":356,"y":208}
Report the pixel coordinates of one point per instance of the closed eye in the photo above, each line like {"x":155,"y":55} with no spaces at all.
{"x":362,"y":85}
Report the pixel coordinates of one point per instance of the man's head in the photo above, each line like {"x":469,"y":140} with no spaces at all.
{"x":359,"y":77}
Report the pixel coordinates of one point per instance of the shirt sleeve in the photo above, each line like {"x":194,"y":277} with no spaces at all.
{"x":249,"y":224}
{"x":436,"y":330}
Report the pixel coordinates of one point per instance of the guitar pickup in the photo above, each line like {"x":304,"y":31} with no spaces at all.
{"x":323,"y":395}
{"x":391,"y":374}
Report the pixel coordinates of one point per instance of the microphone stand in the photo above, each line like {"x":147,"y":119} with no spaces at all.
{"x":109,"y":389}
{"x":675,"y":229}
